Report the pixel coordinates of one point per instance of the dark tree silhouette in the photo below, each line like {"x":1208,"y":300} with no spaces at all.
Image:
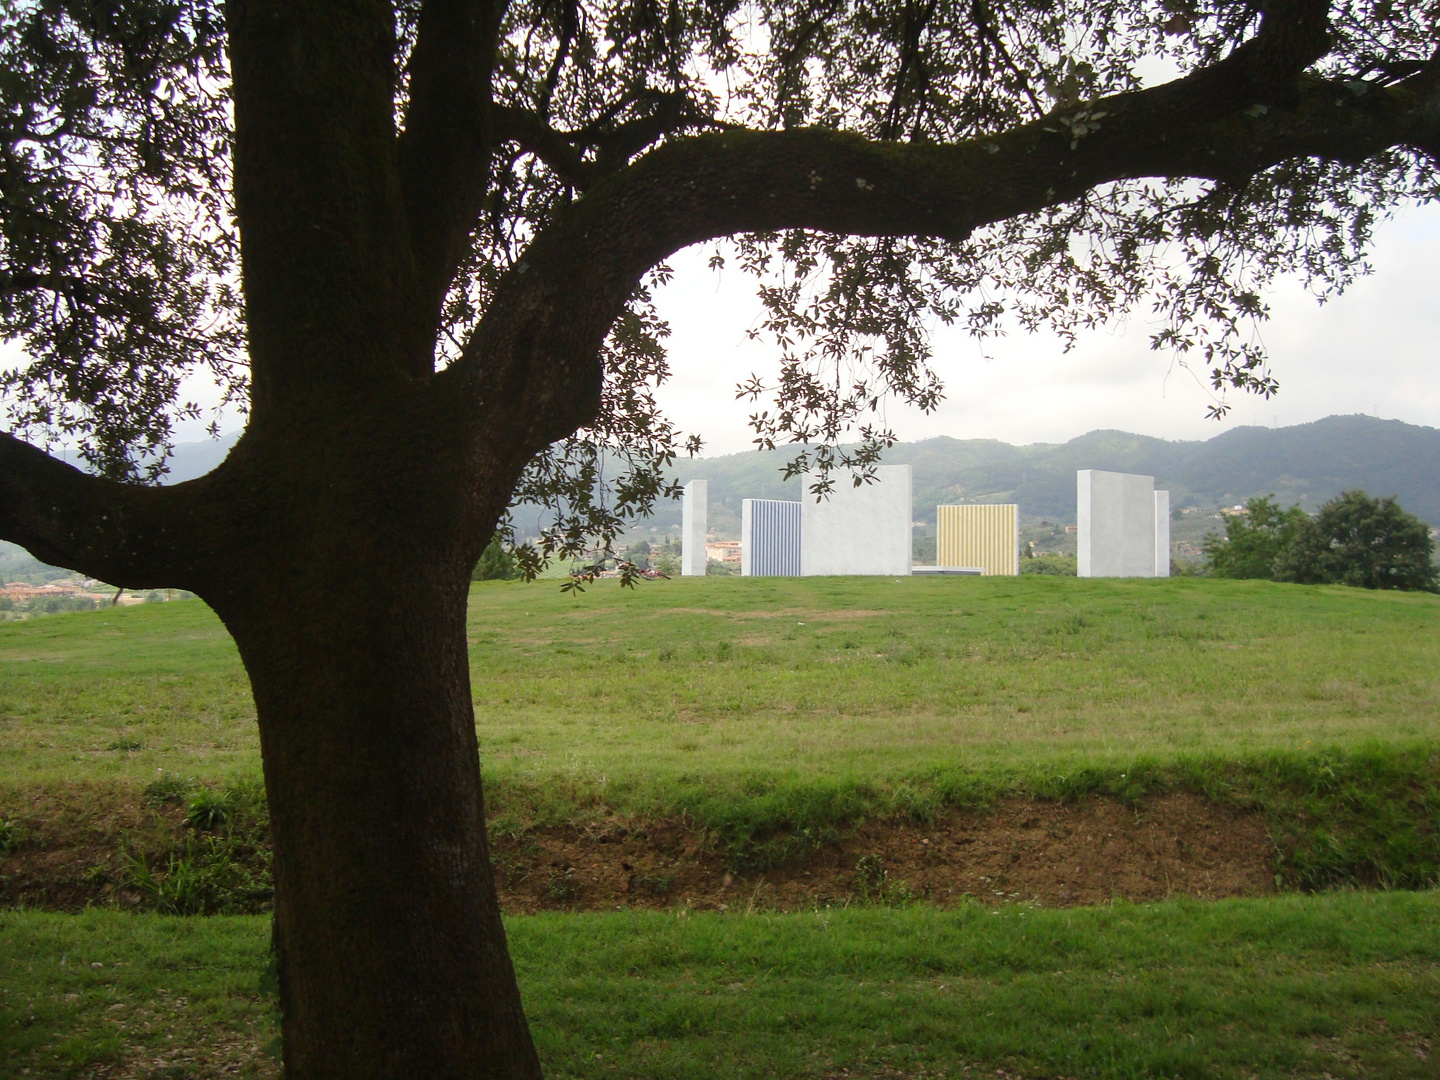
{"x":414,"y":241}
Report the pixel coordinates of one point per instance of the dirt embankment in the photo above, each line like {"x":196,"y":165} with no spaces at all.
{"x":1054,"y":854}
{"x":77,"y":846}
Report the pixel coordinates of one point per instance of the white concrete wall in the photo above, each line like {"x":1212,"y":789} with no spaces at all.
{"x":858,"y":530}
{"x":747,"y":525}
{"x":769,"y":537}
{"x":1115,"y":513}
{"x":693,"y":525}
{"x":1162,"y":534}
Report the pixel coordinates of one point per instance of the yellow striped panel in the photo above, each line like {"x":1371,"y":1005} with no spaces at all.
{"x":983,"y":536}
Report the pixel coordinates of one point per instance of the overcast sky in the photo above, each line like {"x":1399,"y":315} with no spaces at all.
{"x":1374,"y":350}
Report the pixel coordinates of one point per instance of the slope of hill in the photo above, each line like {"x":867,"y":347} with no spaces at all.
{"x":1308,"y":464}
{"x":189,"y":460}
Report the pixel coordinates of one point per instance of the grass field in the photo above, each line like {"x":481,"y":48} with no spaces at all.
{"x":750,"y":704}
{"x":1346,"y":985}
{"x":750,"y":681}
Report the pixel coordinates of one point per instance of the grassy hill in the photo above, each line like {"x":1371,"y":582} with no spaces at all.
{"x":783,"y":699}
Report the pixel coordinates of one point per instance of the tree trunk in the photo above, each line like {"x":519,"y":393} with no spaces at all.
{"x":393,"y":960}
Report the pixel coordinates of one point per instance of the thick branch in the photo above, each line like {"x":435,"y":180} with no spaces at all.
{"x":564,"y":153}
{"x":333,"y":305}
{"x":533,"y":135}
{"x":539,"y":350}
{"x":127,"y":535}
{"x":445,"y":149}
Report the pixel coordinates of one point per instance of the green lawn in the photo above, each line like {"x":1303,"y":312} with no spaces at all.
{"x":1344,"y":985}
{"x":737,"y":701}
{"x":750,"y":681}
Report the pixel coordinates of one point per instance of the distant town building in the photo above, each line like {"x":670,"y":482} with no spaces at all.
{"x":725,"y":551}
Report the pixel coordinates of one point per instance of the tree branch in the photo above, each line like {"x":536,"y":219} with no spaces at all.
{"x":133,"y":536}
{"x":445,"y":149}
{"x":13,"y":282}
{"x":533,"y":135}
{"x":563,"y":153}
{"x":538,"y":353}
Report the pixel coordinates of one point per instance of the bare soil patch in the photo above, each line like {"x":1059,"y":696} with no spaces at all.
{"x":74,"y":842}
{"x":1054,"y":854}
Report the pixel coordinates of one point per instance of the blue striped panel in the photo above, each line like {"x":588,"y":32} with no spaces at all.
{"x":774,"y":538}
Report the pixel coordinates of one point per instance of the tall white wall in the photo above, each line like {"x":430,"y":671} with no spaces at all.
{"x":693,"y":526}
{"x":1115,"y":514}
{"x":858,"y":530}
{"x":769,"y":538}
{"x":1162,"y":534}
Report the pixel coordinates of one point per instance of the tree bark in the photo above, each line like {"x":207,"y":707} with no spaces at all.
{"x":393,"y":960}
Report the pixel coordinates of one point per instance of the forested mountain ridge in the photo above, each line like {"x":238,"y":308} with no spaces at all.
{"x":1306,"y":464}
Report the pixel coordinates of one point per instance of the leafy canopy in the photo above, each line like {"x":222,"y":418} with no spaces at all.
{"x":1254,"y":540}
{"x":1362,"y":541}
{"x":1353,"y":540}
{"x":119,"y":265}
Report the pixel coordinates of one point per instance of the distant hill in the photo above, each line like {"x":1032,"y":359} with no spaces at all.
{"x":1305,"y":464}
{"x":1308,"y":464}
{"x":190,"y":460}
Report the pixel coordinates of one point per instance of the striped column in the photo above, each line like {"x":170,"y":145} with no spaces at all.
{"x":983,"y":536}
{"x":769,"y":538}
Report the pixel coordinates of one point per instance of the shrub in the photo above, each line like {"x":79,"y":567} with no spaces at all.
{"x":1057,"y":565}
{"x":1353,"y":540}
{"x":55,"y":605}
{"x":1254,"y":542}
{"x":210,"y":809}
{"x":496,"y":564}
{"x":1358,"y":540}
{"x":207,"y":877}
{"x":169,"y":788}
